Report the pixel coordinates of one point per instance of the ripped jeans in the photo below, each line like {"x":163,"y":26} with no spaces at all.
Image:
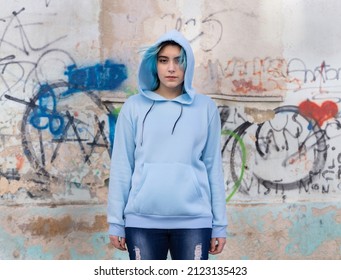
{"x":154,"y":244}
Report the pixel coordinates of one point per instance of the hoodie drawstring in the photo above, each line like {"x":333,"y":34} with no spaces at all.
{"x":177,"y":119}
{"x":145,"y":117}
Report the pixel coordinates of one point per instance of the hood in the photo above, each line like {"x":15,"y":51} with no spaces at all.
{"x":145,"y":77}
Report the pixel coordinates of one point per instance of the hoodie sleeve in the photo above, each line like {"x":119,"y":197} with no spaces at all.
{"x":213,"y":161}
{"x":121,"y":169}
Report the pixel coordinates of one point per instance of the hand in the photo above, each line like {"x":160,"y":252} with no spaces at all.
{"x":217,"y":245}
{"x":118,"y":242}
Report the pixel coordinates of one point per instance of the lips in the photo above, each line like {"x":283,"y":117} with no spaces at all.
{"x":171,"y":77}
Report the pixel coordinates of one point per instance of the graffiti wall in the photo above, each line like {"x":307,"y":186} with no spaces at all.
{"x":272,"y":67}
{"x":56,"y":129}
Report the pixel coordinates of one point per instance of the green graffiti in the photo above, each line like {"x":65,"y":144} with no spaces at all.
{"x":115,"y":112}
{"x":243,"y":150}
{"x":129,"y":91}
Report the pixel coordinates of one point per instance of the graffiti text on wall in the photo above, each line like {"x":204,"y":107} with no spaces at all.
{"x":210,"y":27}
{"x":299,"y":145}
{"x":274,"y":76}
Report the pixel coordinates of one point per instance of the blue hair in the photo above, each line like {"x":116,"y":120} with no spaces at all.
{"x":150,"y":58}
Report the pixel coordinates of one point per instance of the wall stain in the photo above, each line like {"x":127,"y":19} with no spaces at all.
{"x":51,"y":227}
{"x":259,"y":116}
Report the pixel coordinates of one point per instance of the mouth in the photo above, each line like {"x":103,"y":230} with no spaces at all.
{"x":171,"y":77}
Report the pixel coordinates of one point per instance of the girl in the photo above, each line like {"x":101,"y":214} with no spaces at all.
{"x":166,"y":190}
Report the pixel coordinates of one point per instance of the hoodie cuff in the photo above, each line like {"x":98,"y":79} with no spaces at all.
{"x":117,"y":230}
{"x":219,"y":232}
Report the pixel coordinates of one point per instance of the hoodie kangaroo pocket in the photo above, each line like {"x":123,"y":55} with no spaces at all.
{"x":168,"y":189}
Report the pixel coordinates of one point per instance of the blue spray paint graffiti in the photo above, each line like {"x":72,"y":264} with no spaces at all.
{"x":45,"y":115}
{"x":44,"y":112}
{"x":107,"y":76}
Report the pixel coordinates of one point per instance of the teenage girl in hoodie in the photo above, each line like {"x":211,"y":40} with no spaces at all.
{"x":166,"y":190}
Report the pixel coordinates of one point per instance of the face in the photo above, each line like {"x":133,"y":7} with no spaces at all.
{"x":170,"y":72}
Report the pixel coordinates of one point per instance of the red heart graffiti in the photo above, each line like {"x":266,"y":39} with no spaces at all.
{"x":320,"y":114}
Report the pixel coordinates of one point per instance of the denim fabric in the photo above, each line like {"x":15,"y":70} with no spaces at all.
{"x":154,"y":244}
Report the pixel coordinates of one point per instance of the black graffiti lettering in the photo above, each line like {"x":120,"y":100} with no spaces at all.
{"x":247,"y":185}
{"x":20,"y":61}
{"x":47,"y":3}
{"x":324,"y":71}
{"x":289,"y":140}
{"x":279,"y":188}
{"x":10,"y":174}
{"x":79,"y":140}
{"x":315,"y":187}
{"x":224,"y":112}
{"x":211,"y":28}
{"x":324,"y":175}
{"x":268,"y":186}
{"x":100,"y":133}
{"x":339,"y":173}
{"x":38,"y":158}
{"x":41,"y":145}
{"x":62,"y":138}
{"x":325,"y":189}
{"x":302,"y":185}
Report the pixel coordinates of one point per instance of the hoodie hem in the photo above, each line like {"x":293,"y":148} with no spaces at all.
{"x":161,"y":222}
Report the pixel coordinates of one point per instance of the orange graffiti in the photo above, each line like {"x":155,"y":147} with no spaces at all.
{"x":243,"y":86}
{"x":20,"y":161}
{"x":267,"y":75}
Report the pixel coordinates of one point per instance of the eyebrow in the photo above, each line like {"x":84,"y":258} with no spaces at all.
{"x":164,"y":56}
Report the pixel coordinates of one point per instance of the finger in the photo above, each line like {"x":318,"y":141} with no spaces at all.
{"x":219,"y":246}
{"x":123,"y":244}
{"x":115,"y":240}
{"x":213,"y":245}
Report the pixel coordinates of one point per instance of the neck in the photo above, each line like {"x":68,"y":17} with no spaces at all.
{"x":169,"y":93}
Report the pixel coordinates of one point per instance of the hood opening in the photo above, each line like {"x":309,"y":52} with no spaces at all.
{"x":147,"y":81}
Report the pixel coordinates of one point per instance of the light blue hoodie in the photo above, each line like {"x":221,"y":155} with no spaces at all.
{"x":166,"y":168}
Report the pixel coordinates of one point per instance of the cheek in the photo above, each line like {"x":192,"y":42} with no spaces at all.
{"x":182,"y":75}
{"x":160,"y":68}
{"x":158,"y":71}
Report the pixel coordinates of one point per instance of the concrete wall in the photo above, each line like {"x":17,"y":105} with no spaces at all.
{"x":271,"y":66}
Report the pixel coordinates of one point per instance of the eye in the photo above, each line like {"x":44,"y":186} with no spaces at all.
{"x":162,"y":60}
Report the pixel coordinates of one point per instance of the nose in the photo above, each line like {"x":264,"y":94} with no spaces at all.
{"x":171,"y":66}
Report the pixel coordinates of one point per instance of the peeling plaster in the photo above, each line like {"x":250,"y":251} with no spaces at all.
{"x":284,"y":231}
{"x":309,"y":234}
{"x":259,"y":116}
